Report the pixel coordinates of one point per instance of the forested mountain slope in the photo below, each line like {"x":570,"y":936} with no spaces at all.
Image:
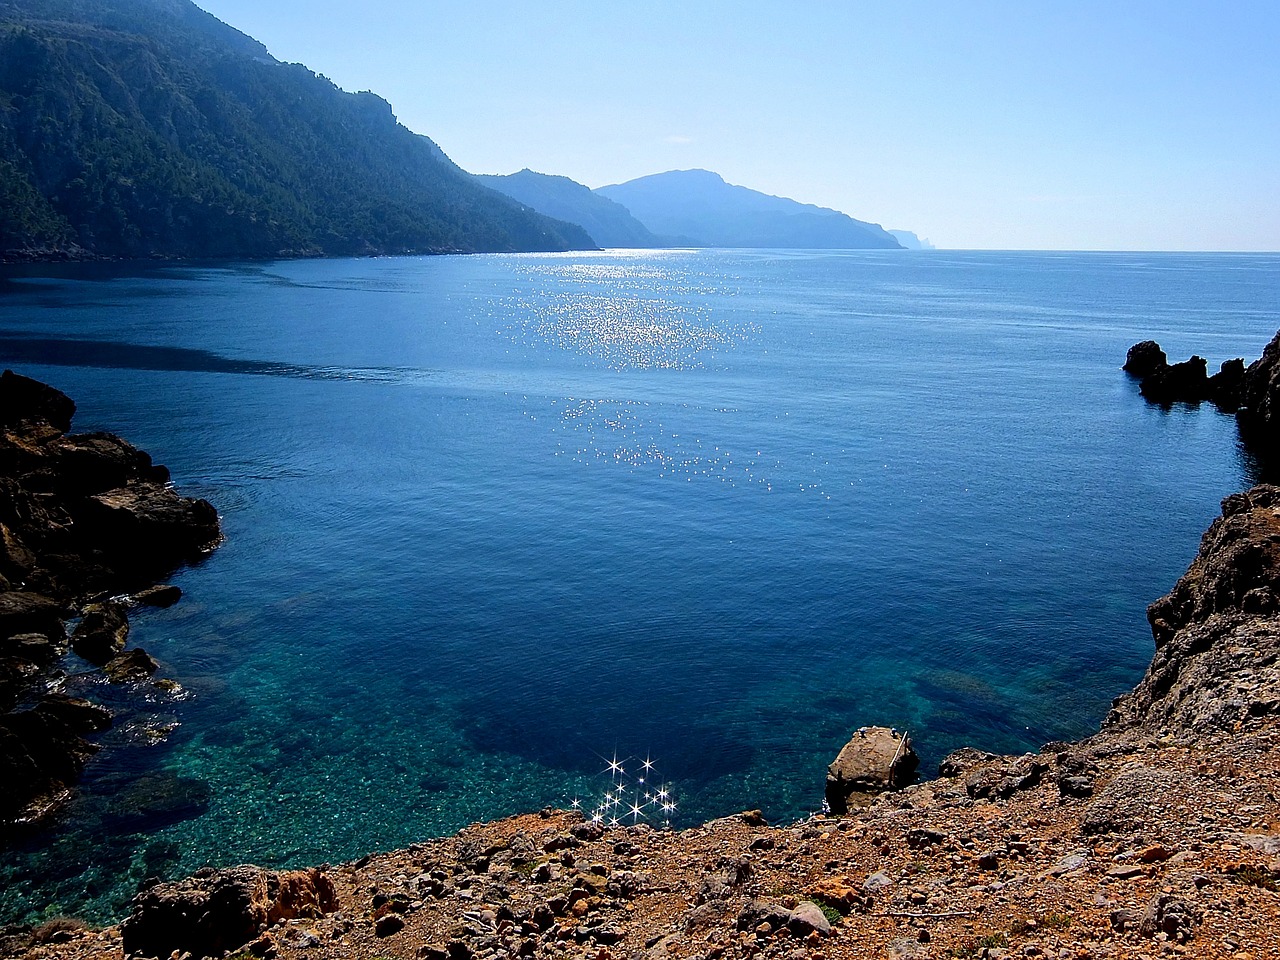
{"x":139,"y":128}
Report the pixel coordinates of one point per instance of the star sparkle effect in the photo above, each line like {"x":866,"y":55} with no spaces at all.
{"x":631,"y":797}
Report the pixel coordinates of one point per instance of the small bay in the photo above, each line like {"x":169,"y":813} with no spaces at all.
{"x":493,"y":521}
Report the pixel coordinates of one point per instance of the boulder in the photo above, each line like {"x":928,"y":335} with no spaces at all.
{"x":1144,"y":359}
{"x":25,"y":612}
{"x":146,"y":528}
{"x":130,"y":666}
{"x":41,"y":754}
{"x":81,"y":716}
{"x":101,"y":632}
{"x":874,"y":759}
{"x":23,"y":400}
{"x":161,"y":595}
{"x":218,"y":911}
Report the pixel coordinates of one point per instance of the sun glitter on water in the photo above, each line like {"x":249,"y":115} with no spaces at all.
{"x":639,"y":796}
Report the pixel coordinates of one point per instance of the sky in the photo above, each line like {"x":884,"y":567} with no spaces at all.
{"x":987,"y":124}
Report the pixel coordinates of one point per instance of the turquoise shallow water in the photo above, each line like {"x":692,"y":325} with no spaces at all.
{"x":492,"y":519}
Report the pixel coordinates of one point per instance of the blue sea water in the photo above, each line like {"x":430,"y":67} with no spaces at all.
{"x":492,"y":521}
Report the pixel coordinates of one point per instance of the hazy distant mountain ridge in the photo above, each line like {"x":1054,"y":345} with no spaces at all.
{"x":910,"y":240}
{"x":609,"y":224}
{"x":136,"y":128}
{"x":700,"y":204}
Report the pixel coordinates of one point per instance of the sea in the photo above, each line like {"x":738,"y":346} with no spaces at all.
{"x":646,"y":533}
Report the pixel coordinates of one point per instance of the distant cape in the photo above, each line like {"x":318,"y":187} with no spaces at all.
{"x":701,"y":207}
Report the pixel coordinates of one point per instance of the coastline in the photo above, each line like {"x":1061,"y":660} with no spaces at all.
{"x":89,"y":528}
{"x":1157,"y":836}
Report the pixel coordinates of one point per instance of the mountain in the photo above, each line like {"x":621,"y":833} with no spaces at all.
{"x":699,"y":204}
{"x":910,"y":240}
{"x":609,"y":224}
{"x":139,"y":128}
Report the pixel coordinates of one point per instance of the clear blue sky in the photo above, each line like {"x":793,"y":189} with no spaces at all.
{"x":1014,"y":124}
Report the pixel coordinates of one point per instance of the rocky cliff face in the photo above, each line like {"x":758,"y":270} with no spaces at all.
{"x":1217,"y":633}
{"x":1259,"y":414}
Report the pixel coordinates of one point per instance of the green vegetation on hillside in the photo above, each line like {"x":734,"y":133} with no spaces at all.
{"x":138,"y":128}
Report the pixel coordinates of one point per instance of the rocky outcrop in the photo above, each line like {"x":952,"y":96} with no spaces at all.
{"x":1186,"y":382}
{"x":1144,"y":359}
{"x":82,"y":517}
{"x":874,"y":759}
{"x":1217,"y":633}
{"x":217,"y":911}
{"x":1259,"y":414}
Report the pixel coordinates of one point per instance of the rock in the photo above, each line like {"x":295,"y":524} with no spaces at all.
{"x":1185,"y":382}
{"x":23,"y":612}
{"x":1171,"y":916}
{"x":16,"y":559}
{"x":79,"y":715}
{"x":808,"y":918}
{"x":1259,"y":412}
{"x":23,"y":400}
{"x":156,"y":800}
{"x":217,"y":911}
{"x":874,"y":759}
{"x":1138,"y":795}
{"x":1070,"y":863}
{"x":877,"y":881}
{"x":1215,"y":657}
{"x":161,"y":595}
{"x":1144,"y":359}
{"x":1226,"y":387}
{"x":920,"y":837}
{"x":32,"y":647}
{"x":41,"y":755}
{"x":961,"y":761}
{"x":757,"y":912}
{"x":1003,"y":780}
{"x":837,"y":891}
{"x":101,"y":632}
{"x":387,"y":924}
{"x":94,"y":462}
{"x":1079,"y":787}
{"x":131,"y":666}
{"x":147,"y":529}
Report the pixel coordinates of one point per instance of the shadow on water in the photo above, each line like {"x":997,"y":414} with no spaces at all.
{"x":110,"y":354}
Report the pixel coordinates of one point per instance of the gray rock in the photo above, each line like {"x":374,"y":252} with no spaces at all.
{"x":808,"y":917}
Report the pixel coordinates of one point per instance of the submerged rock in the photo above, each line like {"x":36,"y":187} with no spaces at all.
{"x":874,"y":759}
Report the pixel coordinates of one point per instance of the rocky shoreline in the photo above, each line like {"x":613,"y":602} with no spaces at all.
{"x":1159,"y":836}
{"x":89,"y":526}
